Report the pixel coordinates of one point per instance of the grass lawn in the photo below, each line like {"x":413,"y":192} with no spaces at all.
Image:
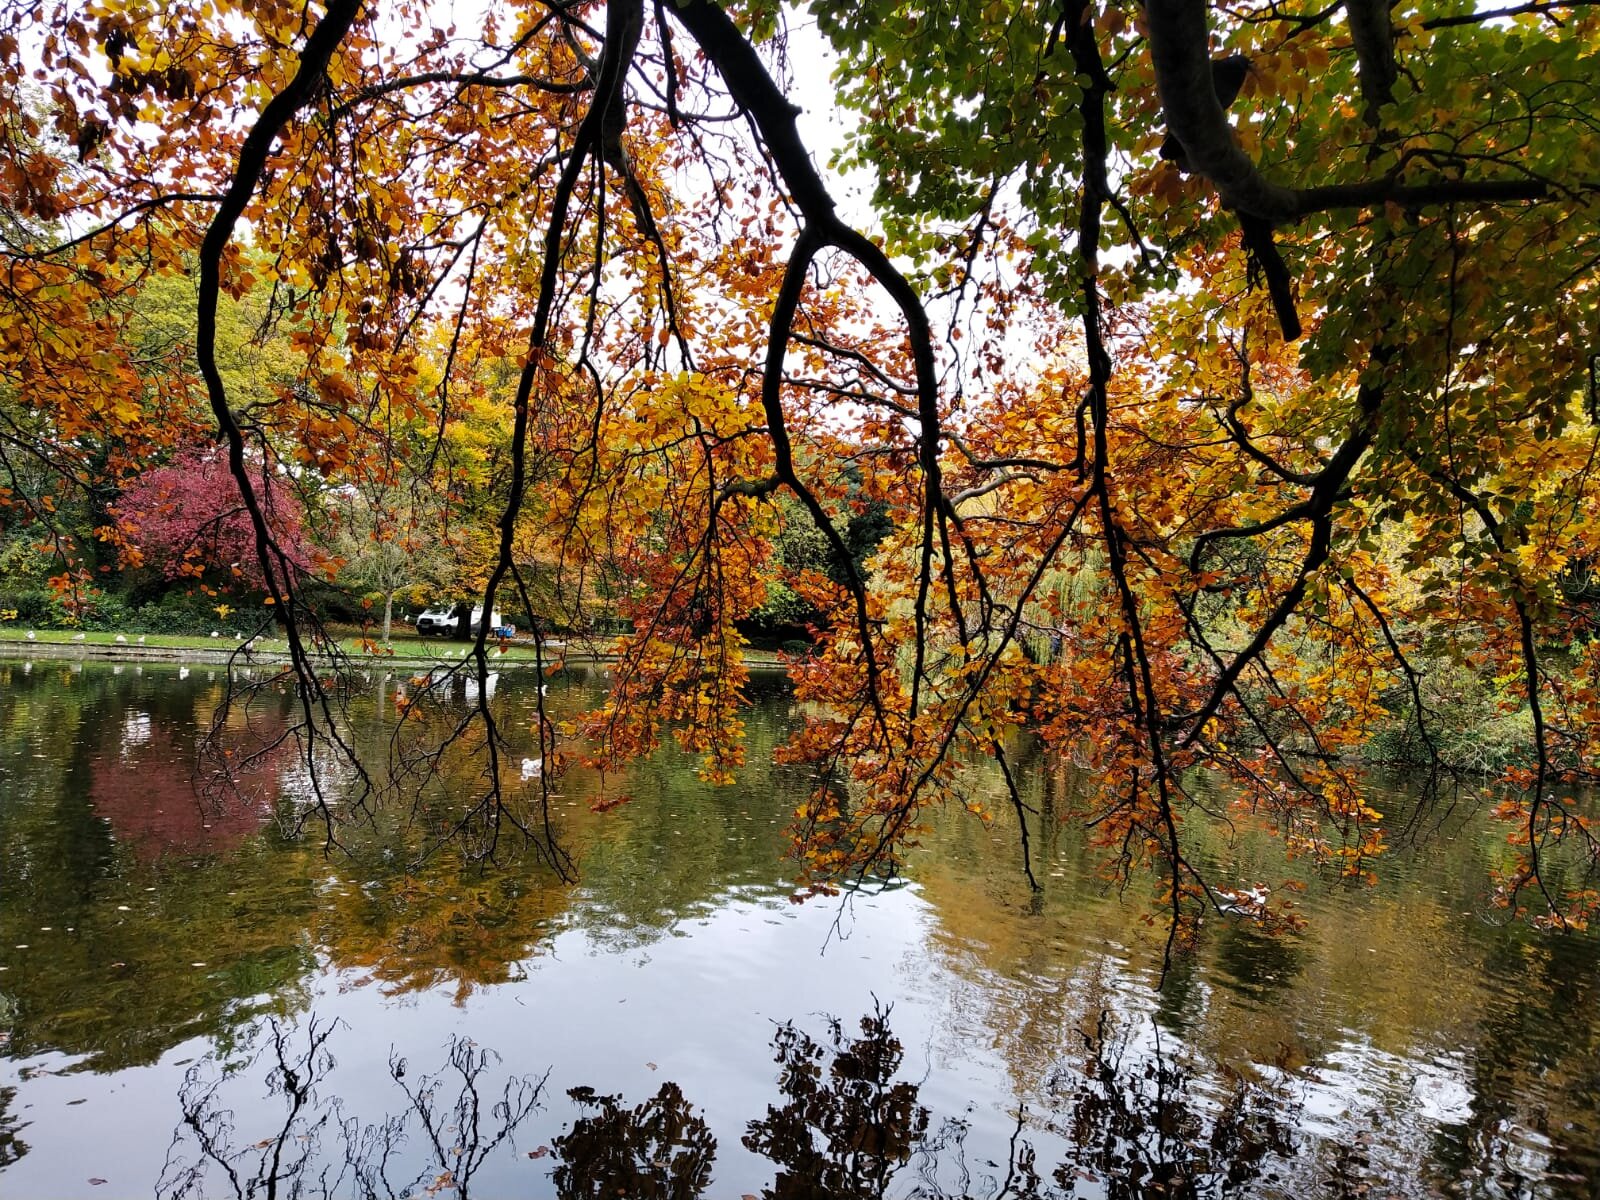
{"x":406,"y":646}
{"x":403,"y":646}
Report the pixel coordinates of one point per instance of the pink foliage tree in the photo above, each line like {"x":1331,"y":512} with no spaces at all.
{"x":186,"y":518}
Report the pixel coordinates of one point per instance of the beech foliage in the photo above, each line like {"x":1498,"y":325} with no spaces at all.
{"x":1220,"y":378}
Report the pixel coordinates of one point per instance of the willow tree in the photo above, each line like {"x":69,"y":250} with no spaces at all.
{"x":1270,"y":331}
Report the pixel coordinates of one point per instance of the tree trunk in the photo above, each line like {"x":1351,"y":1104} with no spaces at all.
{"x":388,"y":614}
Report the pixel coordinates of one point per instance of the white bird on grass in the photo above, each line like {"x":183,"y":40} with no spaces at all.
{"x":214,"y":633}
{"x":31,"y":635}
{"x":120,"y":640}
{"x":77,"y":637}
{"x":141,"y":639}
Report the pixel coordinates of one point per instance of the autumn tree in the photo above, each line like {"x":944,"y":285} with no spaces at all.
{"x":186,"y":517}
{"x":387,"y":539}
{"x":1242,"y":358}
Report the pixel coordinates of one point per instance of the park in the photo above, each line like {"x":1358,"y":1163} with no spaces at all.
{"x":720,"y":598}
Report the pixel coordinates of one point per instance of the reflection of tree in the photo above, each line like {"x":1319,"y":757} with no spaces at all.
{"x":660,"y":1150}
{"x":1142,"y":1129}
{"x":847,"y":1126}
{"x":290,"y":1160}
{"x":1137,"y":1124}
{"x":146,"y":791}
{"x":456,"y":1132}
{"x":116,"y":980}
{"x":12,"y":1147}
{"x":443,"y":924}
{"x":1533,"y":1119}
{"x":1138,"y":1127}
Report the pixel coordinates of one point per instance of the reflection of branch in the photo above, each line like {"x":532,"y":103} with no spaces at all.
{"x":1142,"y":1115}
{"x":289,"y":1161}
{"x":284,"y":1156}
{"x":847,"y":1127}
{"x":456,"y":1134}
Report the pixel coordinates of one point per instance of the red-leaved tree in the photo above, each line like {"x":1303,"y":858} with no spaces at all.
{"x":186,"y":519}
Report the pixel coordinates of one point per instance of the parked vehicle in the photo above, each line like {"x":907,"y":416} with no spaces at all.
{"x":462,"y":620}
{"x":437,"y":622}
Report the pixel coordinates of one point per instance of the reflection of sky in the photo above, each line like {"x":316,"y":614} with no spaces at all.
{"x":1401,"y":1104}
{"x":135,"y":731}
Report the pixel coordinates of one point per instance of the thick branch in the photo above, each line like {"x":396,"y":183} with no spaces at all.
{"x":1374,"y":41}
{"x":1179,"y":50}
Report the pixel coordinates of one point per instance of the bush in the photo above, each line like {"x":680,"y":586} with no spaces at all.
{"x":107,"y":612}
{"x":35,"y":608}
{"x":196,"y":613}
{"x":1471,"y":726}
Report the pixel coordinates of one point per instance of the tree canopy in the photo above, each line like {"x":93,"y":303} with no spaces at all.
{"x":1218,"y":382}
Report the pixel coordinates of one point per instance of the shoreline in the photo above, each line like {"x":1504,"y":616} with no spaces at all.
{"x":519,"y":657}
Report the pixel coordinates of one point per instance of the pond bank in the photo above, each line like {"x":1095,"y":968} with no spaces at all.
{"x":55,"y":645}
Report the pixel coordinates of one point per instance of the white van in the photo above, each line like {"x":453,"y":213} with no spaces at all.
{"x":447,"y":622}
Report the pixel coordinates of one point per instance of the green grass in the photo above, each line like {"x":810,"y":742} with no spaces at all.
{"x":402,"y":647}
{"x":412,"y":646}
{"x":12,"y":632}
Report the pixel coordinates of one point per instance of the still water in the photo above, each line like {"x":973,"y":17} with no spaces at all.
{"x":193,"y":1003}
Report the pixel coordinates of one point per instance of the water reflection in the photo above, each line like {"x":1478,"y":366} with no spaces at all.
{"x":12,"y":1147}
{"x":1399,"y":1042}
{"x":659,"y":1150}
{"x":847,"y":1125}
{"x":1127,"y":1121}
{"x":1141,"y":1123}
{"x":316,"y":1150}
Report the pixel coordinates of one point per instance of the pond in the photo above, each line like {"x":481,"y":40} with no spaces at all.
{"x":193,"y":1003}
